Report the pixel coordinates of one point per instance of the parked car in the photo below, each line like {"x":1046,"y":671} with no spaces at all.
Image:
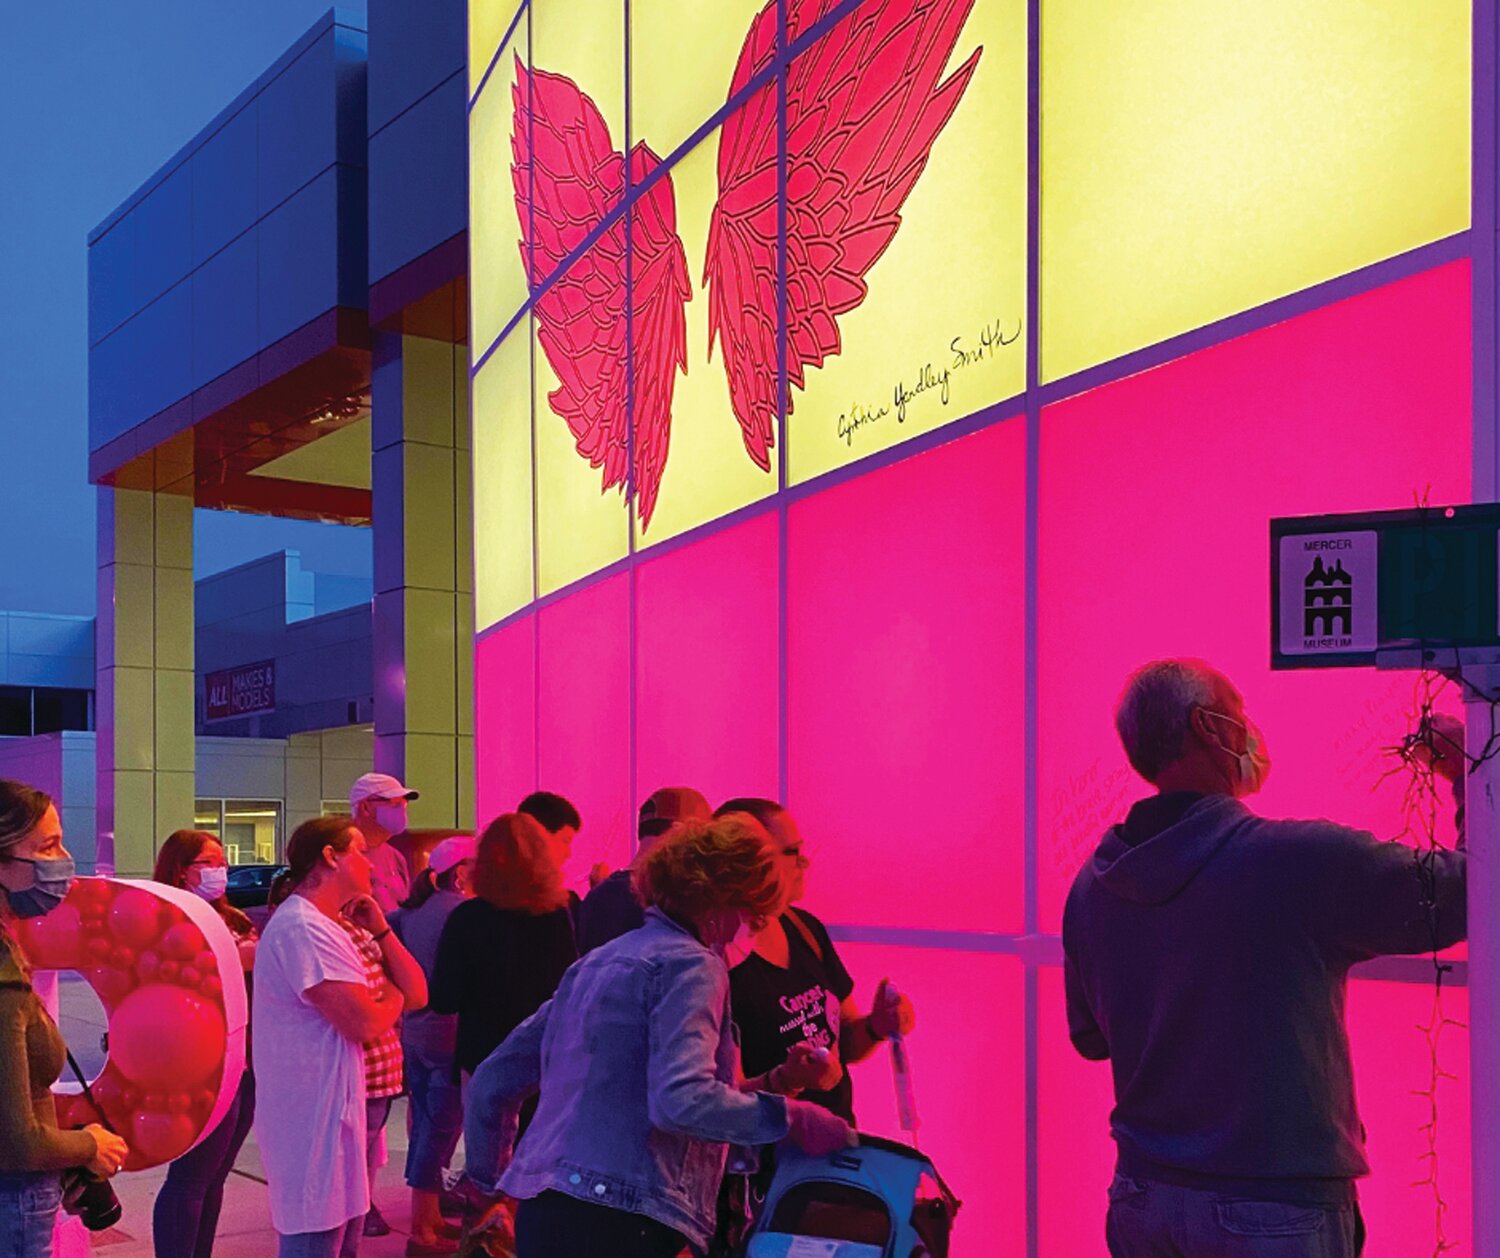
{"x":250,"y":885}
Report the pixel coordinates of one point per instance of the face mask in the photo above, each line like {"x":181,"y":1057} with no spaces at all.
{"x":1251,"y":765}
{"x":213,"y":882}
{"x":391,"y":817}
{"x":54,"y":879}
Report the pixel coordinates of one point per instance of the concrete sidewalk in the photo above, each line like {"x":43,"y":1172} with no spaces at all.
{"x":245,"y":1226}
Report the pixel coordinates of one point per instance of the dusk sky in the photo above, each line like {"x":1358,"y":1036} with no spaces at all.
{"x":95,"y":95}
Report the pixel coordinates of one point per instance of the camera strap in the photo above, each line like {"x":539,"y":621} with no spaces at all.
{"x":89,"y":1093}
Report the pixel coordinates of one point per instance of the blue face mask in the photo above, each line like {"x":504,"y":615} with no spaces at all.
{"x":53,"y":881}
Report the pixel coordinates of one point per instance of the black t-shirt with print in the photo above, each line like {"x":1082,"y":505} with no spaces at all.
{"x":775,"y":1008}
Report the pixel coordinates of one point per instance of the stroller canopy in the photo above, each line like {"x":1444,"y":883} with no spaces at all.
{"x":880,"y":1200}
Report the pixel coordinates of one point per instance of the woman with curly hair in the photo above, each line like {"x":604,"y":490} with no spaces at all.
{"x":635,"y":1057}
{"x":503,"y":953}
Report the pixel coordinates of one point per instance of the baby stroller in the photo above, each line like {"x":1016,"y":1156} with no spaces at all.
{"x":880,"y":1200}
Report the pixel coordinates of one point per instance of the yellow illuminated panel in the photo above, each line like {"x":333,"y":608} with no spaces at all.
{"x":707,"y":473}
{"x":1200,"y":157}
{"x":582,"y":42}
{"x":502,"y":480}
{"x":940,"y":332}
{"x":581,"y":439}
{"x":488,"y":22}
{"x":672,"y":95}
{"x":497,"y":269}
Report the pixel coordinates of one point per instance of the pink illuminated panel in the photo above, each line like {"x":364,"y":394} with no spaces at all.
{"x":905,"y":667}
{"x":1155,"y":496}
{"x":1075,"y":1155}
{"x":583,"y":744}
{"x":1392,"y":1063}
{"x":706,"y":699}
{"x":505,"y":718}
{"x":968,"y":1076}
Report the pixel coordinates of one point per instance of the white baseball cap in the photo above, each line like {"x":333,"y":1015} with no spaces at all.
{"x":452,"y":851}
{"x":378,"y":786}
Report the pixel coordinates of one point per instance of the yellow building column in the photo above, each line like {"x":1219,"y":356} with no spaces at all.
{"x":144,"y":675}
{"x":423,"y":560}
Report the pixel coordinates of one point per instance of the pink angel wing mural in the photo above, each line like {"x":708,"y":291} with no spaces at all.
{"x":864,"y":107}
{"x":740,"y":266}
{"x":568,"y":176}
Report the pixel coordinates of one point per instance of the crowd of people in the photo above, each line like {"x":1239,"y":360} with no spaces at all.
{"x":707,"y":1011}
{"x":601,"y":1056}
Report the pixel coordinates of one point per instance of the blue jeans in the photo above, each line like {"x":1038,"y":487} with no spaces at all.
{"x":437,"y":1121}
{"x":187,"y":1208}
{"x":1148,"y":1219}
{"x":29,"y":1201}
{"x":338,"y":1242}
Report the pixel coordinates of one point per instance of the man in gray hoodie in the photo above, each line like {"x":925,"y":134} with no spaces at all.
{"x":1207,"y":952}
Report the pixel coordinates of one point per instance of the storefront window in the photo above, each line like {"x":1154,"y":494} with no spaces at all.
{"x":208,"y":816}
{"x":249,"y":829}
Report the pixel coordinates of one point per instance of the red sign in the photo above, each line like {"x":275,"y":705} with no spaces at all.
{"x":242,"y":691}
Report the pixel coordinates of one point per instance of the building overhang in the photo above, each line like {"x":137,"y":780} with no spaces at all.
{"x":210,"y":444}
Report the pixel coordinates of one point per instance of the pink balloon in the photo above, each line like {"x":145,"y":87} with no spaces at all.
{"x":182,"y":942}
{"x":112,"y":985}
{"x":159,"y":1136}
{"x":187,"y":1055}
{"x":134,"y":917}
{"x":89,"y":891}
{"x":55,"y":942}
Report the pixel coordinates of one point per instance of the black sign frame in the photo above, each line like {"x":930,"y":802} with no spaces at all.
{"x":1420,"y":623}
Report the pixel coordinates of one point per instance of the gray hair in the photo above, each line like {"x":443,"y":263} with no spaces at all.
{"x":1153,"y":712}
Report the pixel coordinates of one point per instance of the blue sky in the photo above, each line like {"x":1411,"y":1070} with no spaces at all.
{"x":94,"y":96}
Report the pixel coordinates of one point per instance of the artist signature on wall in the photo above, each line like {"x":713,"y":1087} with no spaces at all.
{"x":930,"y":377}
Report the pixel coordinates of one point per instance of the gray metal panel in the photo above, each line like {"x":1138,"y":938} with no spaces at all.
{"x":224,"y":184}
{"x":65,"y":671}
{"x":111,"y":258}
{"x":298,"y":263}
{"x":240,"y":768}
{"x":419,"y":179}
{"x":34,"y":633}
{"x":163,"y":237}
{"x":260,"y":179}
{"x":413,"y":48}
{"x":298,"y":135}
{"x":224,"y":321}
{"x":112,"y":408}
{"x":159,"y":365}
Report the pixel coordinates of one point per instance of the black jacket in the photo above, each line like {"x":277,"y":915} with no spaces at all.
{"x":495,"y":968}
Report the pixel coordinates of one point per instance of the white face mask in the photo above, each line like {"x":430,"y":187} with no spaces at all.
{"x":1252,"y":765}
{"x":391,"y":817}
{"x":213,"y":882}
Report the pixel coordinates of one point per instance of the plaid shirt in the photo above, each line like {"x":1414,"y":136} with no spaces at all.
{"x":383,"y":1061}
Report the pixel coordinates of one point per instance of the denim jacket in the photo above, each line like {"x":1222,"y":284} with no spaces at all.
{"x":637,"y":1064}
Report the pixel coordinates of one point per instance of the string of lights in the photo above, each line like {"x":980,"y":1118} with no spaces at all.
{"x":1432,"y":754}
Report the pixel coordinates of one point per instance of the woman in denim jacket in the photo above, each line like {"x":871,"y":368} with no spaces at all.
{"x":639,"y":1070}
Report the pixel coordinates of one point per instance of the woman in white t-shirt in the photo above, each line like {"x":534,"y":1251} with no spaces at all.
{"x":313,"y":1011}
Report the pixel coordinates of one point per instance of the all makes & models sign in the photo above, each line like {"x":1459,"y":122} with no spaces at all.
{"x":242,"y":691}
